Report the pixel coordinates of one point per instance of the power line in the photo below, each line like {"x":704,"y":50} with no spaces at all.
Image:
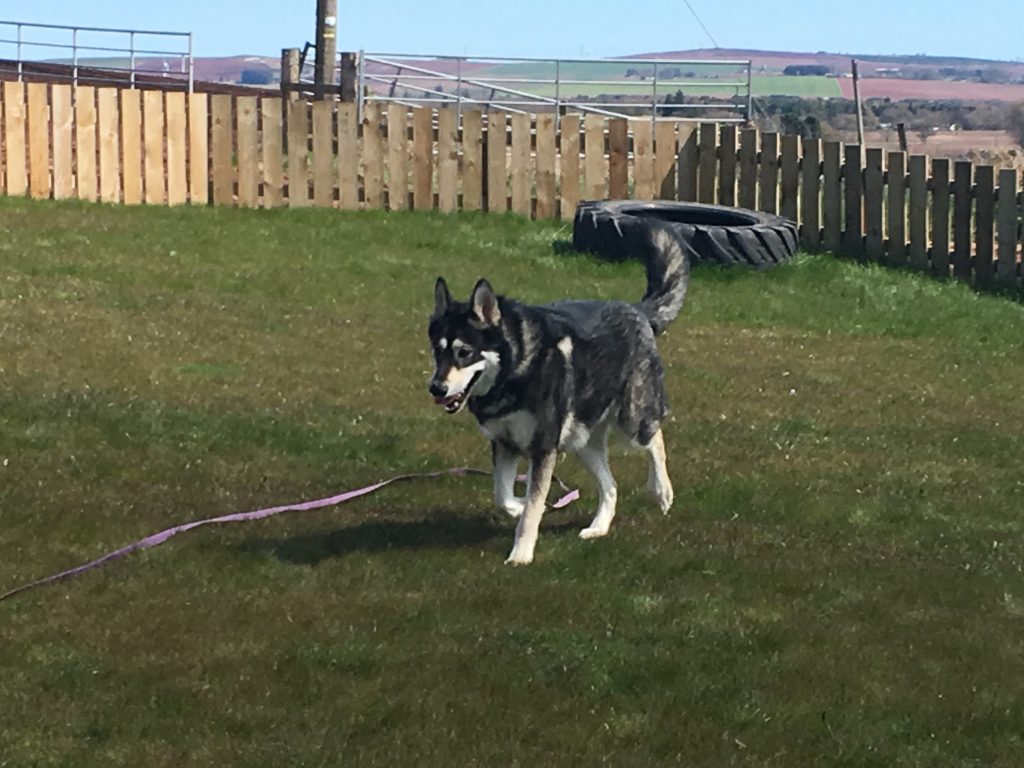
{"x":702,"y":24}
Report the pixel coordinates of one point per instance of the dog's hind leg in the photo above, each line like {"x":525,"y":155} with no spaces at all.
{"x":594,"y":456}
{"x":504,"y":481}
{"x":541,"y":468}
{"x":658,"y":482}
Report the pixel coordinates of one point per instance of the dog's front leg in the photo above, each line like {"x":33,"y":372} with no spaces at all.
{"x":504,"y":481}
{"x":542,"y":465}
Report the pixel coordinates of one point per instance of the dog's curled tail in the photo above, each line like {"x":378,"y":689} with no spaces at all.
{"x":668,"y":276}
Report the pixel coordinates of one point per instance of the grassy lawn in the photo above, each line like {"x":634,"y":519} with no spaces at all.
{"x":840,"y":582}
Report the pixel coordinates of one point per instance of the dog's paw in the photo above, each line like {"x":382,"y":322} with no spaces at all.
{"x":662,"y":493}
{"x":594,"y":532}
{"x":519,"y":556}
{"x":514,"y":507}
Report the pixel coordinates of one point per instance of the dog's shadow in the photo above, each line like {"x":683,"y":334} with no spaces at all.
{"x":437,"y":530}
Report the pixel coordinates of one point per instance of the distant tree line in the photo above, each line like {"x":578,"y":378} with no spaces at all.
{"x":806,"y":70}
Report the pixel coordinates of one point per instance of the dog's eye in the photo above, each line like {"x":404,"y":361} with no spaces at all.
{"x":462,"y":354}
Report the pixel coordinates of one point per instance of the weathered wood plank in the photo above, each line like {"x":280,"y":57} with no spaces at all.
{"x":154,"y":131}
{"x":177,"y":148}
{"x":665,"y":158}
{"x":896,"y":208}
{"x":769,"y":182}
{"x":220,"y":151}
{"x":15,"y":142}
{"x":853,"y":193}
{"x":373,"y":156}
{"x":688,"y":163}
{"x":546,"y":159}
{"x":520,"y":164}
{"x":984,"y":231}
{"x":810,"y":194}
{"x":108,"y":116}
{"x":423,"y":159}
{"x":398,"y":157}
{"x":198,"y":148}
{"x":247,"y":141}
{"x":750,"y":142}
{"x":569,"y":151}
{"x":85,"y":143}
{"x":643,"y":159}
{"x":729,"y":164}
{"x":272,"y":151}
{"x":707,"y":153}
{"x":963,"y":204}
{"x":324,"y":171}
{"x":595,"y":167}
{"x":497,"y":161}
{"x":472,"y":160}
{"x":918,"y":253}
{"x":832,"y":196}
{"x":348,"y":157}
{"x":618,"y":158}
{"x":298,"y":154}
{"x":940,"y":255}
{"x":62,"y":114}
{"x":447,"y":160}
{"x":789,"y":197}
{"x":1009,"y":223}
{"x":38,"y":141}
{"x":874,"y":191}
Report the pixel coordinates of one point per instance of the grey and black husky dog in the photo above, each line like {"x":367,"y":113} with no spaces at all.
{"x":557,"y":377}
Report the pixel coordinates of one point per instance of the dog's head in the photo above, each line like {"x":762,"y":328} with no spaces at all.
{"x":465,"y":338}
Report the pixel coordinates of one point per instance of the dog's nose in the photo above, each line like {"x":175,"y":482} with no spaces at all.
{"x":438,"y":388}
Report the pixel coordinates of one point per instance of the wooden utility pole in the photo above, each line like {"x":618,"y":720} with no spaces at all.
{"x":860,"y":107}
{"x":326,"y":48}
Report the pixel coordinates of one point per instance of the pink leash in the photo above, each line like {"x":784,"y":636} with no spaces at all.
{"x":240,"y":517}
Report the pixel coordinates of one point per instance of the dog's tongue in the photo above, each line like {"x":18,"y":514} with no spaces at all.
{"x":446,"y":400}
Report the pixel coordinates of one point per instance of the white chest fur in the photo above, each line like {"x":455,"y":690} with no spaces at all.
{"x":516,"y":428}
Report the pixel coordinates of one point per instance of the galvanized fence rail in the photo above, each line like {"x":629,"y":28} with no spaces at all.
{"x":96,"y":56}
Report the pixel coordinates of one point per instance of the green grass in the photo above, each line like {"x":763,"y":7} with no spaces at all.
{"x":840,"y":582}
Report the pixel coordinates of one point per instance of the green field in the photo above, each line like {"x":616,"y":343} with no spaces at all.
{"x":839,"y":584}
{"x":763,"y":85}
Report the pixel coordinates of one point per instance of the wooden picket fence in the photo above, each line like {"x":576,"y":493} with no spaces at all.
{"x":130,"y":146}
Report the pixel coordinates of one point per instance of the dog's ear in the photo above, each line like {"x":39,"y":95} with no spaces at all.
{"x":442,"y":298}
{"x":485,"y":303}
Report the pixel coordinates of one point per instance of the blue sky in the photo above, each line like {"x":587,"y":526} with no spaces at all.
{"x":566,"y":28}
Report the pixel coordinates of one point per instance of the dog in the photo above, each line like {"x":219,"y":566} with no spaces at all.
{"x":559,"y":377}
